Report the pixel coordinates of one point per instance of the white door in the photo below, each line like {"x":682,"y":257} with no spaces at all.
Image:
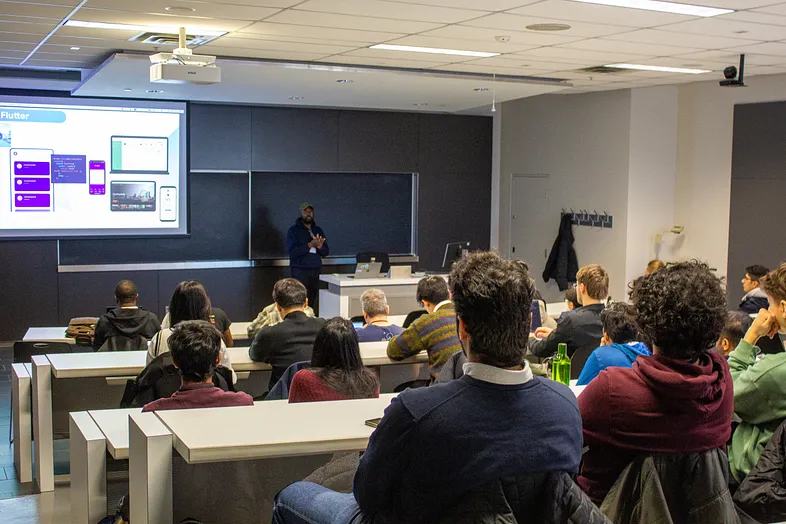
{"x":531,"y":229}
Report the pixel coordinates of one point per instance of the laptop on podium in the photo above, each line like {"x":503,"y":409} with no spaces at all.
{"x":368,"y":270}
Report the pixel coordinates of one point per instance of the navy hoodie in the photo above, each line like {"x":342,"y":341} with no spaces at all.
{"x":300,"y":255}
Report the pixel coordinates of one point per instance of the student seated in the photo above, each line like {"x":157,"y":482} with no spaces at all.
{"x":434,"y":332}
{"x":195,"y":346}
{"x":293,"y":339}
{"x":755,"y":298}
{"x":582,"y":330}
{"x":375,"y":313}
{"x":127,"y":327}
{"x":619,"y":347}
{"x":737,"y":323}
{"x":435,"y":445}
{"x":679,"y":400}
{"x":189,"y":302}
{"x":269,"y":317}
{"x":759,"y":398}
{"x":337,"y":371}
{"x":219,"y":318}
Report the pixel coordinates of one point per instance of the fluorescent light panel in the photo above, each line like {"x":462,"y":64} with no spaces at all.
{"x":433,"y":50}
{"x":150,"y":28}
{"x":663,"y":7}
{"x":662,"y":69}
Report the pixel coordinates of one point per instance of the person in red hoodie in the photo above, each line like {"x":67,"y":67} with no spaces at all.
{"x":679,"y":400}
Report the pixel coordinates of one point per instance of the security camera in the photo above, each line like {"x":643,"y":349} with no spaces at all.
{"x":731,"y":77}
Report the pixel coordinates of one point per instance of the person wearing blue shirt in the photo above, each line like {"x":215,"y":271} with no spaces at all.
{"x":306,"y":246}
{"x":375,"y":313}
{"x":618,"y":347}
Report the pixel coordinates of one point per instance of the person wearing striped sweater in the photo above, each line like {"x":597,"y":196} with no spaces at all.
{"x":435,"y":332}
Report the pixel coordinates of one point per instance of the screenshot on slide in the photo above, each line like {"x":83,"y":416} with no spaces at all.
{"x":83,"y":167}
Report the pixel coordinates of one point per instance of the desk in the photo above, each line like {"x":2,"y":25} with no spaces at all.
{"x":342,"y":297}
{"x":57,"y":334}
{"x":21,"y":406}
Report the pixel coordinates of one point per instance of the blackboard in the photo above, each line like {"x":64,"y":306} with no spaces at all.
{"x":357,"y":211}
{"x":218,"y":218}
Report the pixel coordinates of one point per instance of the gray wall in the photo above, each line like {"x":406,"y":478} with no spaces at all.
{"x":451,"y":153}
{"x":758,"y":191}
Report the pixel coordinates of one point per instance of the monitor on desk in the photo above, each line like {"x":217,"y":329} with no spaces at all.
{"x":453,"y":252}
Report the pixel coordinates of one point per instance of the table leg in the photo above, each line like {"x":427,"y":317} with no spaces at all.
{"x":42,"y":423}
{"x":150,"y":469}
{"x":23,"y":422}
{"x":88,"y":469}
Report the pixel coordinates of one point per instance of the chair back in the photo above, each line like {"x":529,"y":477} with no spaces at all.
{"x":413,"y":316}
{"x":378,"y":256}
{"x":23,"y":351}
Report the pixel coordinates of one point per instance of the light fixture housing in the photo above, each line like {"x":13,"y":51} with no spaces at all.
{"x":663,"y":7}
{"x":661,"y":69}
{"x":433,"y":50}
{"x":146,"y":28}
{"x":75,"y":48}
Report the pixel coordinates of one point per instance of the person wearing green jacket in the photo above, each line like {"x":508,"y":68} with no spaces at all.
{"x":759,"y":386}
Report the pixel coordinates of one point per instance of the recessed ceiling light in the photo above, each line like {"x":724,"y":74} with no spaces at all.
{"x":296,"y":98}
{"x":481,"y":89}
{"x":75,"y":48}
{"x":179,"y":9}
{"x":548,"y":27}
{"x":662,"y":69}
{"x":433,"y":50}
{"x":148,"y":28}
{"x":663,"y":7}
{"x":420,"y":104}
{"x":344,"y":81}
{"x":127,"y":89}
{"x":155,"y":90}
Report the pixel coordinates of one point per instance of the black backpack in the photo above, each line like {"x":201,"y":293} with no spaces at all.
{"x":160,"y":379}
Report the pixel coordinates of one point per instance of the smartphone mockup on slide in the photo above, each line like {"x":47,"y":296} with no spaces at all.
{"x":97,"y":177}
{"x":31,"y":180}
{"x":168,"y":205}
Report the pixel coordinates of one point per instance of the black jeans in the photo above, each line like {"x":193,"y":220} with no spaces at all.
{"x":310,"y":279}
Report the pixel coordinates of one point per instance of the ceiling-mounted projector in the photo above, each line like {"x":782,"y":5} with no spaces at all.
{"x":181,"y":66}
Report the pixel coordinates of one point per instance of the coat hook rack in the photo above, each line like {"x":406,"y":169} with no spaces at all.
{"x":582,"y":217}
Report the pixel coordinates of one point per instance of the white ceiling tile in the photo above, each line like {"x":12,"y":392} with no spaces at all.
{"x":756,"y":17}
{"x":767,"y":48}
{"x":728,"y":4}
{"x":490,"y":70}
{"x":49,"y":52}
{"x":340,"y":21}
{"x":666,"y":61}
{"x":601,"y":14}
{"x":240,"y":52}
{"x":123,"y":17}
{"x":488,"y":5}
{"x":579,"y":56}
{"x":600,"y":44}
{"x":484,"y":34}
{"x":59,"y":64}
{"x":37,"y":27}
{"x":202,"y":10}
{"x":273,"y":45}
{"x":281,"y":4}
{"x":67,"y":3}
{"x":7,"y":53}
{"x":406,"y":55}
{"x":776,"y":9}
{"x":464,"y":45}
{"x":286,"y":31}
{"x":111,"y":41}
{"x":520,"y":23}
{"x":729,"y":28}
{"x":17,"y":46}
{"x":392,"y":10}
{"x":655,"y":36}
{"x":377,"y":61}
{"x":22,"y":38}
{"x":729,"y":57}
{"x":34,"y":10}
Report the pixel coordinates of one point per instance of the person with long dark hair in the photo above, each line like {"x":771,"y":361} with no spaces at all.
{"x":337,"y":371}
{"x":189,"y":302}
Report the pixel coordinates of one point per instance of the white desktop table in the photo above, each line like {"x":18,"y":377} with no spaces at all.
{"x":57,"y":334}
{"x":342,"y":297}
{"x":21,"y":406}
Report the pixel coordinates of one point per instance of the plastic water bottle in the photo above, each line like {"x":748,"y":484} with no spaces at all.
{"x":560,"y":366}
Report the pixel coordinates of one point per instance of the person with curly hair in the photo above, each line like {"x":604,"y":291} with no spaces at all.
{"x":677,"y":401}
{"x":759,"y":385}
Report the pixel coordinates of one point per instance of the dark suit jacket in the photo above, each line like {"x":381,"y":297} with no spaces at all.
{"x":581,"y":331}
{"x":286,"y":343}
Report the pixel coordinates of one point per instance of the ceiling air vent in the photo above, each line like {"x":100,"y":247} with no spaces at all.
{"x":601,"y":70}
{"x":171,"y":39}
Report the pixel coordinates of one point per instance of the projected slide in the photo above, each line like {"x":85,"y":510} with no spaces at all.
{"x":78,"y":167}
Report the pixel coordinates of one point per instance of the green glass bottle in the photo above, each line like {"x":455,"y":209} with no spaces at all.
{"x":560,"y":366}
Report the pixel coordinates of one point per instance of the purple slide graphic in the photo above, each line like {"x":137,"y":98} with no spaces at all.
{"x":69,"y":169}
{"x":31,"y":184}
{"x":31,"y":168}
{"x":31,"y":200}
